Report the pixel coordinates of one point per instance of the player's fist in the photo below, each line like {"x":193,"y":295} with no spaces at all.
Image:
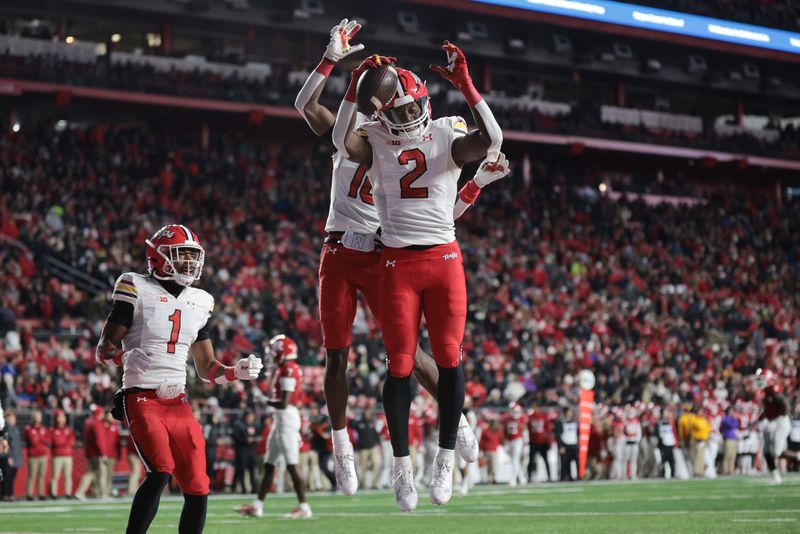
{"x":491,"y":171}
{"x":456,"y":71}
{"x":136,"y":360}
{"x":339,"y":46}
{"x":248,"y":368}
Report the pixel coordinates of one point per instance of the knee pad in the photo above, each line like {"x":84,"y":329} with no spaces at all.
{"x":400,"y":366}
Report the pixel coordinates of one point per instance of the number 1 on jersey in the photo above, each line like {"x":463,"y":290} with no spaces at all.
{"x":365,"y":191}
{"x":175,"y":319}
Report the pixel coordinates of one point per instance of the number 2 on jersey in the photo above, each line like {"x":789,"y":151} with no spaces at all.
{"x":365,"y":192}
{"x":175,"y":319}
{"x":406,"y":191}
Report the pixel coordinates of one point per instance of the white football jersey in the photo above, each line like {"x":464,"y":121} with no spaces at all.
{"x":163,"y":326}
{"x":415,"y":183}
{"x":352,"y":207}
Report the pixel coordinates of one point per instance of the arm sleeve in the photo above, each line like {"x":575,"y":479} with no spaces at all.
{"x":2,"y":422}
{"x":121,"y":313}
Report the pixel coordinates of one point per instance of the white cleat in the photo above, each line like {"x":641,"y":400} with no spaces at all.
{"x":250,"y":510}
{"x":405,"y":490}
{"x":466,"y":443}
{"x":299,"y":513}
{"x":776,"y":477}
{"x":345,"y":468}
{"x":441,"y":480}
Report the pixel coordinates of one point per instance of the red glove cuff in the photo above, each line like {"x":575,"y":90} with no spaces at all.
{"x":117,"y":358}
{"x":325,"y":67}
{"x":470,"y":93}
{"x":469,"y":193}
{"x":212,"y":373}
{"x":230,"y":374}
{"x":350,"y":95}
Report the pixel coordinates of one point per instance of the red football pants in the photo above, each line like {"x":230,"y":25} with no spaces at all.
{"x":414,"y":282}
{"x":168,"y":439}
{"x":342,"y":272}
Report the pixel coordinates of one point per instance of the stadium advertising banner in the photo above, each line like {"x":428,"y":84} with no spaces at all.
{"x":662,"y":20}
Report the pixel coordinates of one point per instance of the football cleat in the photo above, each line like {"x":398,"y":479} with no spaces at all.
{"x":250,"y":510}
{"x":405,"y":490}
{"x":299,"y":513}
{"x":466,"y":443}
{"x":345,"y":469}
{"x":441,"y":479}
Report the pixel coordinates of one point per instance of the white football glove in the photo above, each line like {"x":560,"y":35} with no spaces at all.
{"x":136,"y":360}
{"x":248,"y":368}
{"x":339,"y":46}
{"x":491,"y":171}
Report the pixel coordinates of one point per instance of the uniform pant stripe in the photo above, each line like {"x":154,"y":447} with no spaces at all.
{"x":147,"y":465}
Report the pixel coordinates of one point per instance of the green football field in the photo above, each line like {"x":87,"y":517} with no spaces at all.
{"x":747,"y":504}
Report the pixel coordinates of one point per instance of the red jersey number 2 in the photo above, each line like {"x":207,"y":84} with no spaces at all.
{"x":416,"y":156}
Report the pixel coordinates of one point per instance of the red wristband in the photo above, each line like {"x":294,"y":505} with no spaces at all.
{"x":469,"y":193}
{"x":471,"y":94}
{"x":325,"y":67}
{"x":230,"y":374}
{"x":212,"y":373}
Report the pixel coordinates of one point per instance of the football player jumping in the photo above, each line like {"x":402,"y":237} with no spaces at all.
{"x":351,"y":263}
{"x":160,"y":320}
{"x":284,"y":439}
{"x":415,"y":163}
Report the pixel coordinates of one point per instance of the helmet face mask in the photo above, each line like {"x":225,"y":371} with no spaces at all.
{"x":174,"y":253}
{"x":408,"y":114}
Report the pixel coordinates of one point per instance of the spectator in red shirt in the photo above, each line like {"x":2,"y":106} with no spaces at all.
{"x":63,"y":440}
{"x":37,"y":438}
{"x":113,"y":450}
{"x":491,"y":438}
{"x":94,"y":442}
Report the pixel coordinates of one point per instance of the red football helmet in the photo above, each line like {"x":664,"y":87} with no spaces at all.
{"x":281,"y":349}
{"x":174,"y":253}
{"x":400,"y":116}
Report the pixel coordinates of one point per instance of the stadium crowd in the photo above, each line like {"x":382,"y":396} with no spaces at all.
{"x":584,"y":117}
{"x":672,"y":306}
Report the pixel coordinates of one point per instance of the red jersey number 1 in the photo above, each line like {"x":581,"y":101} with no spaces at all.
{"x":175,"y":319}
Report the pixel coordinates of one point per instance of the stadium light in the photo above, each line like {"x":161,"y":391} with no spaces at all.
{"x":69,"y":40}
{"x":115,"y":38}
{"x":15,"y":128}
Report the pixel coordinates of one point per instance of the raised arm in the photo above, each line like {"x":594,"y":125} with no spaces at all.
{"x":488,"y":138}
{"x":318,"y":117}
{"x":346,"y":141}
{"x":489,"y":171}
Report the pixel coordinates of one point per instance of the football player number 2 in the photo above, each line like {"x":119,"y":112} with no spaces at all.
{"x":360,"y":186}
{"x":175,"y":319}
{"x":418,"y":158}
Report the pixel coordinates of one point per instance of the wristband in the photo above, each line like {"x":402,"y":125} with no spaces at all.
{"x":325,"y":67}
{"x":469,"y":193}
{"x":471,"y":94}
{"x":228,"y":376}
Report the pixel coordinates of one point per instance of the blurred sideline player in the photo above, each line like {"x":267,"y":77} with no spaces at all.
{"x":284,"y":439}
{"x":514,"y":424}
{"x":160,"y":320}
{"x":346,"y":268}
{"x":778,"y":426}
{"x":415,"y":163}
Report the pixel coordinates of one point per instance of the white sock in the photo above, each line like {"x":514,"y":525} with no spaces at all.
{"x":258,"y":505}
{"x":341,"y":438}
{"x":446,"y":454}
{"x":402,"y":461}
{"x":305,"y":507}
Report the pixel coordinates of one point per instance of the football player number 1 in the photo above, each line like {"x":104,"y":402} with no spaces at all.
{"x":175,"y":319}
